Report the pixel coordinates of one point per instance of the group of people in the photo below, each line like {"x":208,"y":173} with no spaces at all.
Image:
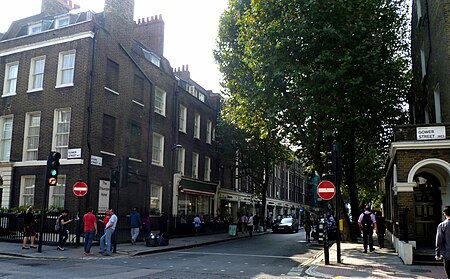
{"x":248,"y":223}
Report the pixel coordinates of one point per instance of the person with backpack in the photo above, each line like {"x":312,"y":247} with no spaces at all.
{"x":367,"y":223}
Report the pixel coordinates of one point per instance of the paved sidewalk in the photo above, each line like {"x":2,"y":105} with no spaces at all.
{"x":382,"y":263}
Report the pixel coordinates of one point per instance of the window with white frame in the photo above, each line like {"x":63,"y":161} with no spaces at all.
{"x":423,"y":62}
{"x":160,"y":101}
{"x":182,"y":119}
{"x":62,"y":21}
{"x":11,"y":73}
{"x":27,"y":188}
{"x":5,"y":141}
{"x":61,"y":131}
{"x":195,"y":165}
{"x":208,"y":131}
{"x":31,"y":142}
{"x":36,"y":79}
{"x":181,"y":156}
{"x":437,"y":104}
{"x":197,"y":126}
{"x":213,"y":136}
{"x":201,"y":97}
{"x":66,"y":68}
{"x":207,"y":176}
{"x":158,"y":150}
{"x":156,"y":200}
{"x":34,"y":28}
{"x":57,"y":193}
{"x":150,"y":56}
{"x":419,"y":12}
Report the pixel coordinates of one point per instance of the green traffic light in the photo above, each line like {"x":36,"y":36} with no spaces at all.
{"x":53,"y":172}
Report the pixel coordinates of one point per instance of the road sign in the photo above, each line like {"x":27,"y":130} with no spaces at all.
{"x":326,"y":190}
{"x":80,"y":189}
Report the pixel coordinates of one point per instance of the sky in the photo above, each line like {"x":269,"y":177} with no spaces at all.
{"x":190,"y":30}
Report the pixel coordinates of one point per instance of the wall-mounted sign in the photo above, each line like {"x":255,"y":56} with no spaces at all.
{"x":431,"y":133}
{"x":96,"y":161}
{"x":74,"y":153}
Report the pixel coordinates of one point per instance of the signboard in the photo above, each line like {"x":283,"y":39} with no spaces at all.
{"x":232,"y":230}
{"x":431,"y":133}
{"x":104,"y":187}
{"x":96,"y":161}
{"x":326,"y":190}
{"x":80,"y":189}
{"x":74,"y":153}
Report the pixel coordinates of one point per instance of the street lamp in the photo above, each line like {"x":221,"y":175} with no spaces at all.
{"x":170,"y":196}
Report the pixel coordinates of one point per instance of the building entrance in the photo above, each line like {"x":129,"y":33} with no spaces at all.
{"x":427,"y":198}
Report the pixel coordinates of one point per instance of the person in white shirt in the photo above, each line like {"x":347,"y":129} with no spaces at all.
{"x":250,"y":225}
{"x":109,"y":230}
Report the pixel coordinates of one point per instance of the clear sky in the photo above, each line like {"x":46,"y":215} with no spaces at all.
{"x":190,"y":30}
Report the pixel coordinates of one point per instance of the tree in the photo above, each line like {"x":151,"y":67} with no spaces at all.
{"x":249,"y":107}
{"x":320,"y":71}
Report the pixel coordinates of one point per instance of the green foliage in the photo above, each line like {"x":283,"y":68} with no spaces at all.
{"x":315,"y":72}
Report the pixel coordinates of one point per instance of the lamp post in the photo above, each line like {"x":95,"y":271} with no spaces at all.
{"x":171,"y":189}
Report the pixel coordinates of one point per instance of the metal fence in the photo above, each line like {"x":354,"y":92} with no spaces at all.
{"x":12,"y":228}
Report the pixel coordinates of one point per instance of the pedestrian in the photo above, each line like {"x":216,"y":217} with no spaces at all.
{"x":308,"y":225}
{"x":63,"y":229}
{"x":250,"y":225}
{"x":256,"y":223}
{"x":135,"y":224}
{"x":244,"y":221}
{"x":381,"y":228}
{"x":29,"y":230}
{"x":147,"y":225}
{"x":110,"y":227}
{"x":443,"y":241}
{"x":90,"y":230}
{"x":367,"y":223}
{"x":197,"y":223}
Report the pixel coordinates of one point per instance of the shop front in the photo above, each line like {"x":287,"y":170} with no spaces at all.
{"x":196,"y":198}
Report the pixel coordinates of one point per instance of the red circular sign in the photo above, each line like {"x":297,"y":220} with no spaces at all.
{"x":80,"y":189}
{"x":326,"y":190}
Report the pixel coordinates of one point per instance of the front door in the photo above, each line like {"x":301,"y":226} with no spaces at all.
{"x":428,"y":202}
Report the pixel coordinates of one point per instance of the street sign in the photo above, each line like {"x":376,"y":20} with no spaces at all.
{"x":326,"y":190}
{"x":80,"y":189}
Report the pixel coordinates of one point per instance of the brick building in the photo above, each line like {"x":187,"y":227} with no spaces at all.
{"x":97,"y":88}
{"x":418,"y":168}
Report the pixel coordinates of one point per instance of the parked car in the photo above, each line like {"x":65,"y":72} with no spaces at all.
{"x":286,"y":225}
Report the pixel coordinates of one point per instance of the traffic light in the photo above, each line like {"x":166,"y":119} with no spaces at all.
{"x":53,"y":168}
{"x":115,"y":178}
{"x":125,"y":171}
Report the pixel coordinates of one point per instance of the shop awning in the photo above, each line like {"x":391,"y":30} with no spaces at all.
{"x":195,"y":187}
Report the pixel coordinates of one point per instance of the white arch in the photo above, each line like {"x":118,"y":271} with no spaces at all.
{"x":429,"y":165}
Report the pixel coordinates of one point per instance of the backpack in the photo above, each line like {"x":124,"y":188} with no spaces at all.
{"x":367,"y":220}
{"x":58,"y":223}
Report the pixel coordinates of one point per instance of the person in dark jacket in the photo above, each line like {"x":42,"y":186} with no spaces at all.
{"x":381,"y":228}
{"x":443,"y":241}
{"x":135,"y":224}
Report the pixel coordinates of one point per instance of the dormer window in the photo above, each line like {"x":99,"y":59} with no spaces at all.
{"x":150,"y":56}
{"x":62,"y":21}
{"x":34,"y":28}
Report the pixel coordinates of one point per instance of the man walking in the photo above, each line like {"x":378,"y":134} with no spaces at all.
{"x":63,"y":229}
{"x":135,"y":224}
{"x":90,"y":230}
{"x":250,"y":225}
{"x":109,"y":230}
{"x":367,"y":223}
{"x":443,"y":241}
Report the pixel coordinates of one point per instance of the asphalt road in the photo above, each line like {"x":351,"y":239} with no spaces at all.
{"x":266,"y":256}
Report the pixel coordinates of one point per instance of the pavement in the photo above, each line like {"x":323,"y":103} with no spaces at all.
{"x":382,"y":263}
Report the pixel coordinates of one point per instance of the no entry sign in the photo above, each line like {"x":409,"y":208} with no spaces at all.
{"x":326,"y":190}
{"x":80,"y":189}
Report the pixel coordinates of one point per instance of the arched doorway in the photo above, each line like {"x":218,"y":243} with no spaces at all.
{"x":428,"y":207}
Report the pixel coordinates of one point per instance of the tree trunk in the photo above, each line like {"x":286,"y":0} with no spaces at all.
{"x":351,"y":182}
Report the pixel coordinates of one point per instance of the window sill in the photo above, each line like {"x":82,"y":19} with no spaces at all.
{"x":64,"y":85}
{"x":138,"y":103}
{"x":8,"y":94}
{"x":35,"y":90}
